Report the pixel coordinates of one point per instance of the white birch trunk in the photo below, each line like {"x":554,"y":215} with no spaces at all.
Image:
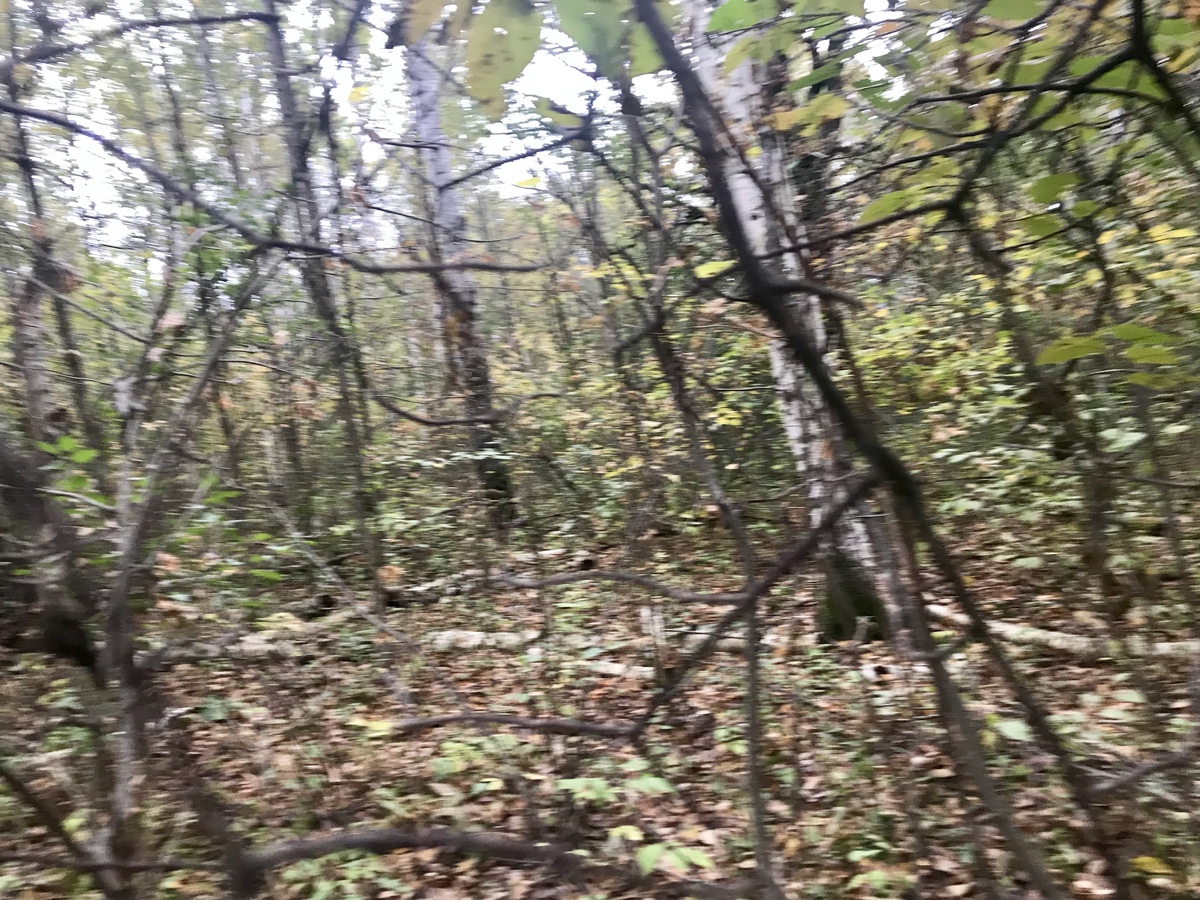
{"x":465,"y":351}
{"x":815,"y":444}
{"x":32,"y":357}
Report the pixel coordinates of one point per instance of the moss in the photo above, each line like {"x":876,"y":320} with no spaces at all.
{"x":849,"y":595}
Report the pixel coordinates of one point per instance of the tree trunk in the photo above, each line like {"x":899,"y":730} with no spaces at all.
{"x":465,"y":351}
{"x":320,"y":291}
{"x":860,"y":580}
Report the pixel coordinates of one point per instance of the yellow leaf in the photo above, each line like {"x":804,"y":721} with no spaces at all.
{"x":457,"y":19}
{"x":373,"y":727}
{"x":788,"y":119}
{"x":712,"y":269}
{"x":1151,"y":865}
{"x":830,"y":106}
{"x":421,"y":14}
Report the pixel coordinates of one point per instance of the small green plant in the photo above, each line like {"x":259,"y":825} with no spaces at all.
{"x":672,"y":857}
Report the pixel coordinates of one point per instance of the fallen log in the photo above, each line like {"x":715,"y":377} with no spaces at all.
{"x":1073,"y":644}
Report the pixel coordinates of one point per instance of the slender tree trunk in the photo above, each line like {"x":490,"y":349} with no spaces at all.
{"x":297,"y":495}
{"x":465,"y":351}
{"x":216,"y":98}
{"x":29,"y":341}
{"x":29,"y":353}
{"x":320,"y":290}
{"x":856,"y":558}
{"x":206,"y":289}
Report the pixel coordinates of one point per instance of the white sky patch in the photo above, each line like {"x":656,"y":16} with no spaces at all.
{"x":559,"y":72}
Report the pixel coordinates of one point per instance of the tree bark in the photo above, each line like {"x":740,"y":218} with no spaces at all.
{"x":856,"y":556}
{"x":320,"y":290}
{"x":465,"y":351}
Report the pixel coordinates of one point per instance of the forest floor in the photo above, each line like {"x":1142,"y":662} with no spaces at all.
{"x":861,"y":797}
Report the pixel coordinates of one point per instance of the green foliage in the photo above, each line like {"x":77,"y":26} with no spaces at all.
{"x":500,"y":43}
{"x":735,"y":15}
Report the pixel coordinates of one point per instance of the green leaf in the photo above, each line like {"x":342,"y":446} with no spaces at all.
{"x":596,"y":789}
{"x":1081,"y":65}
{"x":1040,"y":226}
{"x":1117,"y":441}
{"x":73,"y":822}
{"x":559,"y":115}
{"x":500,"y":43}
{"x":861,"y":854}
{"x":1013,"y":729}
{"x":647,"y":857}
{"x":599,"y":28}
{"x":849,"y":7}
{"x":1012,"y":10}
{"x":1047,"y":189}
{"x":1152,"y":355}
{"x":649,"y":784}
{"x":827,"y":107}
{"x":627,"y":832}
{"x":787,"y":119}
{"x":1174,"y":27}
{"x":83,"y":455}
{"x":874,"y":879}
{"x":739,"y":52}
{"x":643,"y":52}
{"x":816,"y":76}
{"x":694,"y":856}
{"x":1069,"y":348}
{"x":734,"y":15}
{"x":884,"y":206}
{"x":1133,"y":332}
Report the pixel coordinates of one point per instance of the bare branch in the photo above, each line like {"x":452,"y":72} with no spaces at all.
{"x":181,"y":191}
{"x":49,"y":51}
{"x":783,"y":566}
{"x":581,"y":133}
